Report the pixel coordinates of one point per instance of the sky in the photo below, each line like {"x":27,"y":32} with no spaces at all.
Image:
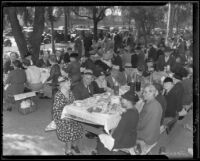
{"x":116,"y":12}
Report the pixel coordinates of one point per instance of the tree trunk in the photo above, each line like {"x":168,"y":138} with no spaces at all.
{"x":38,"y":29}
{"x":17,"y":32}
{"x":144,"y":33}
{"x":177,"y":21}
{"x":52,"y":37}
{"x":169,"y":22}
{"x":66,"y":23}
{"x":95,"y":29}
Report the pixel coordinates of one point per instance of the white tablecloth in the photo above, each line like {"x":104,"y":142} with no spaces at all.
{"x":109,"y":121}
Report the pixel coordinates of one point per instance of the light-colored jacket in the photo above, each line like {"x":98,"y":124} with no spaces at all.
{"x":149,"y":122}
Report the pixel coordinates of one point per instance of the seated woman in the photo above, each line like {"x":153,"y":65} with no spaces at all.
{"x":33,"y":75}
{"x":150,"y":117}
{"x":68,"y":131}
{"x":125,"y":134}
{"x":15,"y":81}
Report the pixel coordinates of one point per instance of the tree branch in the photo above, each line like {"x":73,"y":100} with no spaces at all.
{"x":102,"y":14}
{"x":77,"y":14}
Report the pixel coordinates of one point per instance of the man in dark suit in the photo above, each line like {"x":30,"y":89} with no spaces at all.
{"x":152,"y":53}
{"x":83,"y":89}
{"x":78,"y":46}
{"x":165,"y":60}
{"x":66,"y":56}
{"x":73,"y":69}
{"x":87,"y":43}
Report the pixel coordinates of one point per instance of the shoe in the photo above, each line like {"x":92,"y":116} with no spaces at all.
{"x":76,"y":149}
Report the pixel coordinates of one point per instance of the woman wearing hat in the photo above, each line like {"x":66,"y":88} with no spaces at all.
{"x":68,"y":131}
{"x":125,"y":134}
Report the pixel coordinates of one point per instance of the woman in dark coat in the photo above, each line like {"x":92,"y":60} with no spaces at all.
{"x":16,"y":80}
{"x":125,"y":134}
{"x":68,"y":131}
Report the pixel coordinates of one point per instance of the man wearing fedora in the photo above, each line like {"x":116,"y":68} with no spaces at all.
{"x":165,"y":60}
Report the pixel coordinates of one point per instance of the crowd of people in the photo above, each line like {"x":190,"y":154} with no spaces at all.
{"x":96,"y":66}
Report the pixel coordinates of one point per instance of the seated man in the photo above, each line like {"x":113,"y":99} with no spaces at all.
{"x":100,"y":84}
{"x":125,"y":134}
{"x":161,"y":99}
{"x":173,"y":93}
{"x":83,"y":89}
{"x":33,"y":75}
{"x":150,"y":117}
{"x":116,"y":76}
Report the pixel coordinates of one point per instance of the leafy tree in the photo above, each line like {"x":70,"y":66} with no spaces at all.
{"x":94,"y":13}
{"x":52,"y":19}
{"x":146,"y":18}
{"x":38,"y":27}
{"x":17,"y":30}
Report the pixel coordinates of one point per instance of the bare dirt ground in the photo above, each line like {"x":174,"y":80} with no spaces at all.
{"x":25,"y":135}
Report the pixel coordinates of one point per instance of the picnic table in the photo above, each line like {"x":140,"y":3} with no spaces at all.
{"x":106,"y":118}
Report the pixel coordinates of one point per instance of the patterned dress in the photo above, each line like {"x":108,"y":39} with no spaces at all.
{"x":67,"y":130}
